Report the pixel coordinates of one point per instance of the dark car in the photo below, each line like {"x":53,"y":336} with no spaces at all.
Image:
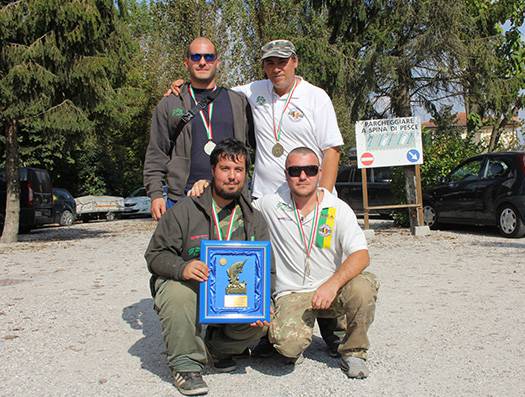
{"x":36,"y":198}
{"x":488,"y":189}
{"x":349,"y":188}
{"x":64,"y":207}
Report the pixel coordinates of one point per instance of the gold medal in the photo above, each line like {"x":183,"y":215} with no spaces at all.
{"x":277,"y":150}
{"x":208,"y":148}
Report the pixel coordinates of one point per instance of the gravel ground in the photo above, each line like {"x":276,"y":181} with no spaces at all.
{"x":76,"y":319}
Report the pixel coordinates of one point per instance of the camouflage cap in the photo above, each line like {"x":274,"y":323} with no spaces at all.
{"x":278,"y":48}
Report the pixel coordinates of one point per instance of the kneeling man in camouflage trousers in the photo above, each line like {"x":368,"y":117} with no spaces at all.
{"x":320,"y":254}
{"x":222,"y":212}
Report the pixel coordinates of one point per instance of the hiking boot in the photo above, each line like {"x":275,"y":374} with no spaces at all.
{"x":190,"y":383}
{"x":264,"y":348}
{"x":244,"y":354}
{"x":293,"y":361}
{"x":225,"y":365}
{"x":354,"y":367}
{"x":333,"y":344}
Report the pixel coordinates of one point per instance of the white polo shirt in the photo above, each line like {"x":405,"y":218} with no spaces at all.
{"x":309,"y":120}
{"x":343,"y":233}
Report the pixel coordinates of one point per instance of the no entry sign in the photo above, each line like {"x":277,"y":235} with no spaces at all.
{"x":367,"y":159}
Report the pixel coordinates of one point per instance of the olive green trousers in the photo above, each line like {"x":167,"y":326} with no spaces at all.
{"x":176,"y":304}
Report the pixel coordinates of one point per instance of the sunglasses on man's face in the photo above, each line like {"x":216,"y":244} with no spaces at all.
{"x":207,"y":57}
{"x":309,"y":170}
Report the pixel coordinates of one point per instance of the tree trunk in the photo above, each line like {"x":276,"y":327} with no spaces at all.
{"x":497,"y":129}
{"x":12,"y":206}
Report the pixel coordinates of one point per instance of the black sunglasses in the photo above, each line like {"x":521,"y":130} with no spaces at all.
{"x":207,"y":57}
{"x":309,"y":170}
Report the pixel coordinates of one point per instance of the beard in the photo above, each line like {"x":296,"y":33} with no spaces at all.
{"x":227,"y":195}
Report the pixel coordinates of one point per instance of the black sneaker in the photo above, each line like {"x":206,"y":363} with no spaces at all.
{"x":225,"y":365}
{"x":264,"y":348}
{"x":190,"y":383}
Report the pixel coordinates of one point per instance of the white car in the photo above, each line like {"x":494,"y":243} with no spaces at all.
{"x":138,"y":203}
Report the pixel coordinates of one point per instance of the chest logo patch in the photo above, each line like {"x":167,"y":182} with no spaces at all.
{"x":295,"y":115}
{"x":325,"y":230}
{"x":177,"y":112}
{"x":260,"y":100}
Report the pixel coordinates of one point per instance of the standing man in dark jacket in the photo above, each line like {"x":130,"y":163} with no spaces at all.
{"x":222,"y":212}
{"x":180,"y":152}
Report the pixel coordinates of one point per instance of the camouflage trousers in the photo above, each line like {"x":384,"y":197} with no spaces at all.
{"x":176,"y":303}
{"x":292,"y":326}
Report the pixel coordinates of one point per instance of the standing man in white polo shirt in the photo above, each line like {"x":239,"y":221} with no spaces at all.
{"x":289,"y":112}
{"x":320,"y":254}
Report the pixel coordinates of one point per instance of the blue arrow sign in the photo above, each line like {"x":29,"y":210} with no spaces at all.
{"x":413,"y":155}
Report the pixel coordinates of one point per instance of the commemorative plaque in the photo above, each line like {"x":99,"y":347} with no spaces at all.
{"x":238,"y":285}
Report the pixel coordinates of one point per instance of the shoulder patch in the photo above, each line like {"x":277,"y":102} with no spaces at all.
{"x":260,"y":100}
{"x":177,"y":112}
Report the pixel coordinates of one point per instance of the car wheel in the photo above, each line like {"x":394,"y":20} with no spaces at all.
{"x":66,"y":218}
{"x":510,"y":223}
{"x":110,"y":216}
{"x":430,"y":216}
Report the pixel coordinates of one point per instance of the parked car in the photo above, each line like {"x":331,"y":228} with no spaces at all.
{"x":99,"y":207}
{"x":36,"y":198}
{"x":64,"y":207}
{"x":139,"y":204}
{"x":488,"y":189}
{"x":379,"y":186}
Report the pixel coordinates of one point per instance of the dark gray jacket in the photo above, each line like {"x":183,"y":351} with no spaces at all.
{"x":164,"y":160}
{"x":178,"y":236}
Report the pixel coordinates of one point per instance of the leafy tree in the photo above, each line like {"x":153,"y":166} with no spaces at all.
{"x":493,"y":72}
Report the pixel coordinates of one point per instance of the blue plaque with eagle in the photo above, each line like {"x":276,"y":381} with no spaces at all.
{"x":238,"y":285}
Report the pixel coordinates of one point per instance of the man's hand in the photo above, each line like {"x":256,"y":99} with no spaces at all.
{"x":158,"y":208}
{"x":175,"y":88}
{"x":195,"y":270}
{"x":262,"y":324}
{"x":324,"y":296}
{"x":198,"y":188}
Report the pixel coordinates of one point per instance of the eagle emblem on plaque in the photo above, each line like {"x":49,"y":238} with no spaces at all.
{"x":235,"y":295}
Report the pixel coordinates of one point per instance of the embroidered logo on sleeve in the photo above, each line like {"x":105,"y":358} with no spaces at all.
{"x":177,"y":112}
{"x":260,"y":100}
{"x":325,"y":228}
{"x":194,"y":251}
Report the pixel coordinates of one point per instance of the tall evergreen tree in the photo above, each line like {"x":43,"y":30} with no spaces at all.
{"x":60,"y":63}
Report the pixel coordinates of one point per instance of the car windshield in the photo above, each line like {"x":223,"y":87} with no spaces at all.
{"x":140,"y":192}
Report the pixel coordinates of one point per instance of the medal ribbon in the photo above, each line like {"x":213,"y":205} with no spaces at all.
{"x":207,"y":124}
{"x":313,"y":232}
{"x":277,"y":132}
{"x":216,"y":222}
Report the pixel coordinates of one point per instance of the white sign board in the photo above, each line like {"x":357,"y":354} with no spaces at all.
{"x":388,"y":142}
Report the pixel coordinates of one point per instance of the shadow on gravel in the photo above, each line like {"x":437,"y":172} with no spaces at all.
{"x":60,"y":234}
{"x":489,"y":231}
{"x":150,"y":349}
{"x":317,"y":351}
{"x":275,"y":366}
{"x":501,"y":244}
